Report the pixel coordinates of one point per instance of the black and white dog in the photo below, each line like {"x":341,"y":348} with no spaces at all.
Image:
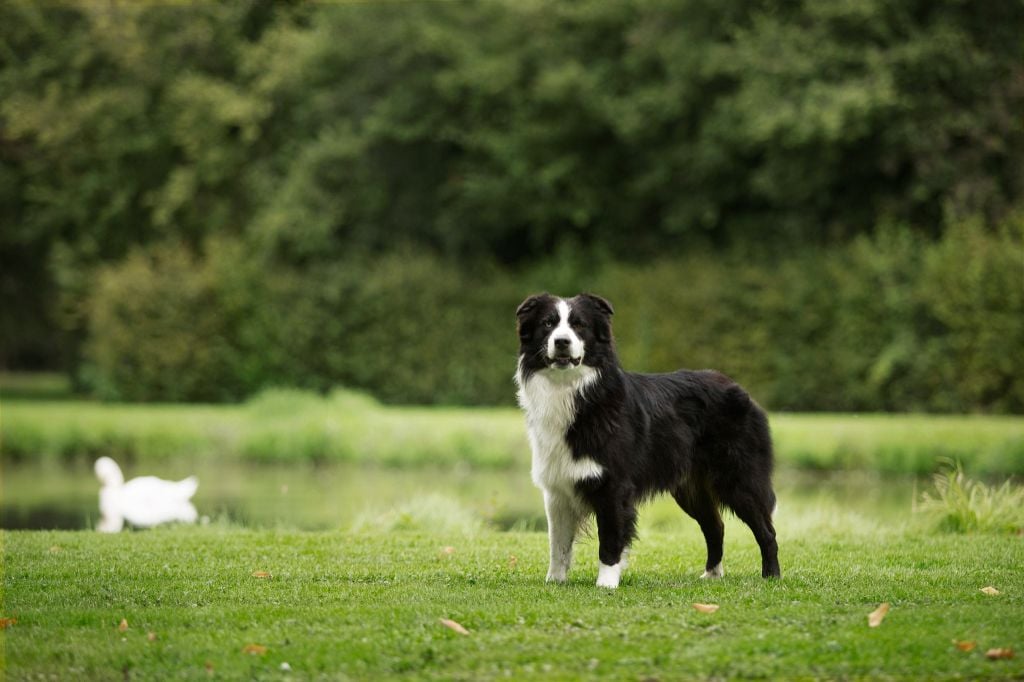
{"x":604,"y":439}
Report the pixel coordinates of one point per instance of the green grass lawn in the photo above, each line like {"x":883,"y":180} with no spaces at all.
{"x":367,"y":606}
{"x":287,"y":426}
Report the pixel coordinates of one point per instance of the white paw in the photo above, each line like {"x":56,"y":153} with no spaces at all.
{"x":555,"y":577}
{"x":608,"y":576}
{"x":716,"y":572}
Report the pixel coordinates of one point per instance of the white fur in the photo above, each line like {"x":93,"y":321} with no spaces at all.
{"x":565,"y":514}
{"x":565,"y":331}
{"x":608,"y":576}
{"x":716,"y":572}
{"x":548,"y":398}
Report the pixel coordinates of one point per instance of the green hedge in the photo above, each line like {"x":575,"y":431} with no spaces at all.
{"x":894,"y":322}
{"x":287,"y":425}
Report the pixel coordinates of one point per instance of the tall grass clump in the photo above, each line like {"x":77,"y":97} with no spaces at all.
{"x":425,"y":513}
{"x":958,"y":504}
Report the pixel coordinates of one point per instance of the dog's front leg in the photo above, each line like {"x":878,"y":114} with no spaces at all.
{"x":616,"y":526}
{"x":564,"y":516}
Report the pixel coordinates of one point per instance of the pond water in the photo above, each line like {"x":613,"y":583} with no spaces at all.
{"x":51,"y":496}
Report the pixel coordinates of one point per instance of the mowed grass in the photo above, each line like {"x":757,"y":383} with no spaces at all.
{"x":368,"y":606}
{"x":286,"y":425}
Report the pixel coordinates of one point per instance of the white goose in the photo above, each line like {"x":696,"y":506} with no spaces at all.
{"x":144,"y":501}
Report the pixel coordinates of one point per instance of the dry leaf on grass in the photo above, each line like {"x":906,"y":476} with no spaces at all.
{"x":254,"y":649}
{"x":990,"y":591}
{"x":261,"y":574}
{"x":123,"y":627}
{"x":151,"y":636}
{"x":964,"y":646}
{"x":455,"y":627}
{"x":7,"y":622}
{"x":706,"y":608}
{"x":998,"y":654}
{"x":876,"y":617}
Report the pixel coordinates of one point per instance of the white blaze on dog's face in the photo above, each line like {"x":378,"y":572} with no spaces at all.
{"x":564,"y":347}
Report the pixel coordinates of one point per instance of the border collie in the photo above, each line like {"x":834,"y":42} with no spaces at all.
{"x":604,"y":439}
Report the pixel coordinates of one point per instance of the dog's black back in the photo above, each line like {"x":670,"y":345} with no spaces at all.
{"x":695,"y":434}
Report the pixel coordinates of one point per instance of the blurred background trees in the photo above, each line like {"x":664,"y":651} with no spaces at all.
{"x":821,"y":199}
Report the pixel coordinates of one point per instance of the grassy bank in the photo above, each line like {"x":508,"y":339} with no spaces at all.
{"x":345,"y":426}
{"x":367,"y":606}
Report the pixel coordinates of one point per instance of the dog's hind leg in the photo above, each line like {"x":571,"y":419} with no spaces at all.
{"x":754,"y":507}
{"x":699,"y":504}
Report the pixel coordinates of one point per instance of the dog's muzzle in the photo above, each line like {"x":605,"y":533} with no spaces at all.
{"x":563,"y":358}
{"x":564,"y":361}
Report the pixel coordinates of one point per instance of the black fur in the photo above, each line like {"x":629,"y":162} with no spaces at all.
{"x":694,"y":434}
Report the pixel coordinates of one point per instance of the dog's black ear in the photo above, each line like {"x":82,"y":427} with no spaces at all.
{"x":529,"y":304}
{"x":602,"y":304}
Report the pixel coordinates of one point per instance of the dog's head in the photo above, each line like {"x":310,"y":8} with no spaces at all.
{"x":560,"y":334}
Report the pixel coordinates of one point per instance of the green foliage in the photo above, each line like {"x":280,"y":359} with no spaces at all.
{"x":973,"y":289}
{"x":274,"y":426}
{"x":341,"y":177}
{"x":159,"y":332}
{"x":893,"y":322}
{"x":34,"y":385}
{"x":301,"y":427}
{"x":503,"y":130}
{"x":959,"y":504}
{"x":896,"y":322}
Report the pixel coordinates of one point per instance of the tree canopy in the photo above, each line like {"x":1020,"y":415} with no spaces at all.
{"x":493,"y":131}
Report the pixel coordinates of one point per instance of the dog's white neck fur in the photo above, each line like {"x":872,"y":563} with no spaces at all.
{"x":549,"y":399}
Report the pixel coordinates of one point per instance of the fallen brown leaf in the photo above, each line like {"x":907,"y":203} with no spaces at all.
{"x":876,"y":617}
{"x":706,"y":608}
{"x":997,"y":654}
{"x":254,"y":649}
{"x":123,"y":627}
{"x":964,"y":646}
{"x":7,"y":622}
{"x":261,"y":574}
{"x":990,"y":591}
{"x":455,"y":627}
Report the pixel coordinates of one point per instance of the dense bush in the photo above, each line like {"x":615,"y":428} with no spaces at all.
{"x":167,"y":326}
{"x":158,"y":331}
{"x":894,"y":322}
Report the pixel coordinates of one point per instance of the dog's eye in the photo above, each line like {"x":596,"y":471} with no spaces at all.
{"x":549,"y":324}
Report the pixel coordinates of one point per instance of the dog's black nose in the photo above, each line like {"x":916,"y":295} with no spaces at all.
{"x":561,"y":344}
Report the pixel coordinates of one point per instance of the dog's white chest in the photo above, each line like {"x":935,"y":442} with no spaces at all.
{"x":549,"y":401}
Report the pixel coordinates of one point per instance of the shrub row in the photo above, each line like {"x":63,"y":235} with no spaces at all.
{"x":894,"y":322}
{"x":304,"y":427}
